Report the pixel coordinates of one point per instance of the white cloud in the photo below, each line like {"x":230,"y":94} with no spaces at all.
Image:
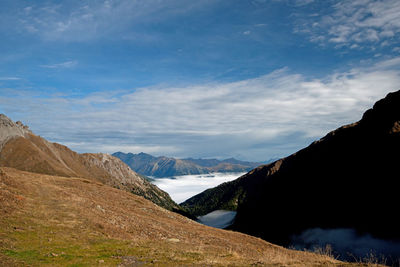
{"x":259,"y":118}
{"x":303,"y":2}
{"x":120,"y":146}
{"x":186,"y":186}
{"x":62,"y":65}
{"x":9,"y":78}
{"x":296,"y":2}
{"x":359,"y":21}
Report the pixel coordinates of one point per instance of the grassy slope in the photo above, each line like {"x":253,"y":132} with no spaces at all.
{"x":35,"y":154}
{"x":51,"y":220}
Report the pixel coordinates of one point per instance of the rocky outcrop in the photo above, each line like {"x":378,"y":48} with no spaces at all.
{"x":10,"y":130}
{"x":23,"y":150}
{"x":347,"y":179}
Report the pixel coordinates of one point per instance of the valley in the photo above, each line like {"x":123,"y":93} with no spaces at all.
{"x":205,"y":133}
{"x":52,"y":220}
{"x":181,"y":188}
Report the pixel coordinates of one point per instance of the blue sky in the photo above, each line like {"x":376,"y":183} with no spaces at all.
{"x":250,"y":79}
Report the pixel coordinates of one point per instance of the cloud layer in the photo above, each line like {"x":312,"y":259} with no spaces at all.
{"x":268,"y":116}
{"x":183,"y":187}
{"x":195,"y":78}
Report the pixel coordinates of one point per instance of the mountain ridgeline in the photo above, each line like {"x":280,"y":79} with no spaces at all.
{"x":23,"y":150}
{"x":166,"y":167}
{"x":347,"y":179}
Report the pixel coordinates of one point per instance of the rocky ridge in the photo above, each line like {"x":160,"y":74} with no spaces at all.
{"x":10,"y":130}
{"x":23,"y":150}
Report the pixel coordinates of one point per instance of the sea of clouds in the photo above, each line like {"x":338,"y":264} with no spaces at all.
{"x":180,"y":188}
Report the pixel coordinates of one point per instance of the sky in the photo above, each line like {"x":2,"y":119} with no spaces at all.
{"x":251,"y":79}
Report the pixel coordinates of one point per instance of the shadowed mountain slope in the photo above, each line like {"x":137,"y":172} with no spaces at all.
{"x":23,"y":150}
{"x":59,"y":221}
{"x":347,"y":179}
{"x":165,"y":167}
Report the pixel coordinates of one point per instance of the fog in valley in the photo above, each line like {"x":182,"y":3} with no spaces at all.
{"x":181,"y":188}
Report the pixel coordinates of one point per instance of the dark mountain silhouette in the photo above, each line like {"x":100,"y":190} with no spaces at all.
{"x":164,"y":167}
{"x":347,"y":179}
{"x":23,"y":150}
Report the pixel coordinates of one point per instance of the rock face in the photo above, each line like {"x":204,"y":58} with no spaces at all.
{"x":10,"y":130}
{"x":23,"y":150}
{"x":165,"y":167}
{"x":347,"y":179}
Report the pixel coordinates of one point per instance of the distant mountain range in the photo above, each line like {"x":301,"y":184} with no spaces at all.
{"x":23,"y":150}
{"x":165,"y":167}
{"x":347,"y":179}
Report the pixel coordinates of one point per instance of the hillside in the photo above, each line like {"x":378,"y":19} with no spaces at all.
{"x":53,"y":220}
{"x":165,"y":167}
{"x":348,"y":179}
{"x":23,"y":150}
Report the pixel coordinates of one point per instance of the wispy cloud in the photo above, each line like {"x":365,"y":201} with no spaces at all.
{"x":296,"y":2}
{"x":83,"y":20}
{"x":272,"y":115}
{"x":361,"y":22}
{"x":9,"y":78}
{"x":303,"y":2}
{"x":62,"y":65}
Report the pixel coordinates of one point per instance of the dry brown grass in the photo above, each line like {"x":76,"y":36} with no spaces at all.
{"x":35,"y":154}
{"x":51,"y":220}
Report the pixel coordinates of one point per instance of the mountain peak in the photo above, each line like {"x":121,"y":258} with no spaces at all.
{"x":10,"y":129}
{"x":385,"y":111}
{"x":5,"y":119}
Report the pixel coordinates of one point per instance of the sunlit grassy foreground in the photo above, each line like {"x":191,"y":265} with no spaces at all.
{"x":58,"y":221}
